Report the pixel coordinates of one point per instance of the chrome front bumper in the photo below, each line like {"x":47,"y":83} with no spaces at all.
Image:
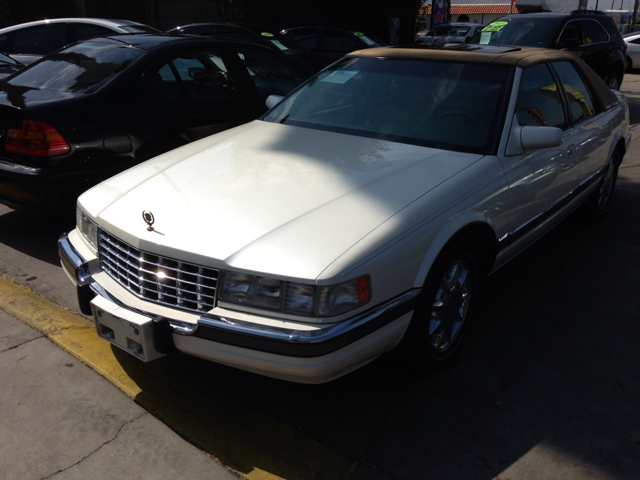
{"x":320,"y":341}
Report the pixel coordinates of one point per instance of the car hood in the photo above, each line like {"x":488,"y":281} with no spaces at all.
{"x":281,"y":200}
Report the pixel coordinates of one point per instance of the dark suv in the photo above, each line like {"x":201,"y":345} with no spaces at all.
{"x":591,"y":35}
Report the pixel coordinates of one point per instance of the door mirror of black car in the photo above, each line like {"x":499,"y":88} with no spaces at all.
{"x":570,"y":43}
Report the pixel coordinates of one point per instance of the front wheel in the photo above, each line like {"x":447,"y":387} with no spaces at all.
{"x":443,"y":314}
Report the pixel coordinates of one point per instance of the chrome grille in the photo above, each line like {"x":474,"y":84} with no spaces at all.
{"x":155,"y":278}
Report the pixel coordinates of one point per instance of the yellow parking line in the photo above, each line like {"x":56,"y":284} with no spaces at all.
{"x":238,"y":435}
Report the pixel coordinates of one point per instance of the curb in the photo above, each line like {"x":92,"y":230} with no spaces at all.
{"x":239,"y":436}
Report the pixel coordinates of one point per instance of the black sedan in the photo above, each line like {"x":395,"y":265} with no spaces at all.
{"x":89,"y":111}
{"x":304,"y":59}
{"x":335,"y":42}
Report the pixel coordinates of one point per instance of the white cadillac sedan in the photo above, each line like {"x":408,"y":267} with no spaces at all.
{"x":363,"y":209}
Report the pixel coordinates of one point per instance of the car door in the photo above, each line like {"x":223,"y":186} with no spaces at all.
{"x":539,"y":180}
{"x":595,"y":46}
{"x":203,"y":91}
{"x":590,"y":125}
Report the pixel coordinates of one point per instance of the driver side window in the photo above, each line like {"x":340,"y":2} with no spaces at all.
{"x":539,"y":99}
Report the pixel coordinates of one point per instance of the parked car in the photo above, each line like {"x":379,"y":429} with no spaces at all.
{"x":622,"y":19}
{"x":89,"y":111}
{"x":594,"y":37}
{"x":450,"y":33}
{"x":27,"y":42}
{"x":307,"y":61}
{"x":363,"y":210}
{"x":332,"y":41}
{"x":633,"y":49}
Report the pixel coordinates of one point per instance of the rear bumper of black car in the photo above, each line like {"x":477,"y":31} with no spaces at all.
{"x":51,"y":188}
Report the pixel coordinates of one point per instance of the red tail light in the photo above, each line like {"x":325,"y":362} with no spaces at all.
{"x":36,"y":138}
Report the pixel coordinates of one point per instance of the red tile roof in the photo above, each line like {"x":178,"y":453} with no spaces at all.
{"x":469,"y":9}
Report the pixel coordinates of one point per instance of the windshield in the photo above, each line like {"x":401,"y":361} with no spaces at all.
{"x":524,"y":31}
{"x":371,"y":40}
{"x":453,"y":106}
{"x":83,"y":68}
{"x":281,"y":42}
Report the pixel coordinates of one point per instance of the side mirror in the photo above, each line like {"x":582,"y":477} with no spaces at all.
{"x":524,"y":139}
{"x":570,"y":43}
{"x":538,"y":138}
{"x":273,"y":100}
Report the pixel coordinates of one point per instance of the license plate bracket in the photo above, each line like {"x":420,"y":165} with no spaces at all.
{"x":125,"y":329}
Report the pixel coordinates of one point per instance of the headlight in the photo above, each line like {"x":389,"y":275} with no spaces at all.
{"x":296,"y":298}
{"x":87,"y":227}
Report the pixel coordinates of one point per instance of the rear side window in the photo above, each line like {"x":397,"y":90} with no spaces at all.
{"x":592,"y":32}
{"x":580,"y":101}
{"x":40,"y":40}
{"x":540,"y":100}
{"x":83,"y":68}
{"x":197,"y":76}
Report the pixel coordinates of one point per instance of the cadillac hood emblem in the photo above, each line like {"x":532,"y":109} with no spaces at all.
{"x":149,"y":219}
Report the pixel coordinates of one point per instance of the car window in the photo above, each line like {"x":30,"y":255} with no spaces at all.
{"x":270,"y":75}
{"x":636,"y":41}
{"x":524,"y":30}
{"x":88,"y":30}
{"x":339,"y":42}
{"x":307,"y":37}
{"x":41,"y":39}
{"x":166,"y":86}
{"x":592,"y":32}
{"x":82,"y":68}
{"x":198,"y":76}
{"x":443,"y":105}
{"x":539,"y":99}
{"x":580,"y":101}
{"x":571,"y":31}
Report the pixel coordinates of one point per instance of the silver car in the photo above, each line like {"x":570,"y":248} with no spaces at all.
{"x":363,"y":211}
{"x":633,"y":49}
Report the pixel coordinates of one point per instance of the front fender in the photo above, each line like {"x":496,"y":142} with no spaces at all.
{"x":450,"y":230}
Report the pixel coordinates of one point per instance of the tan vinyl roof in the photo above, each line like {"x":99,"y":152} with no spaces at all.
{"x":497,"y":54}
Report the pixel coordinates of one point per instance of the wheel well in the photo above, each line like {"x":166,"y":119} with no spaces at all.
{"x":483,"y":237}
{"x":620,"y":151}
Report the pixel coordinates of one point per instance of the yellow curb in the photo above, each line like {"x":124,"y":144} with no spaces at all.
{"x":250,"y":442}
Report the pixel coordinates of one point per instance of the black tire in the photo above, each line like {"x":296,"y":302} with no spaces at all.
{"x":629,"y":64}
{"x":443,"y":314}
{"x":598,"y":203}
{"x":614,"y":80}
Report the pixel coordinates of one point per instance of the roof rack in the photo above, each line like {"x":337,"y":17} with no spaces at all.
{"x":592,"y":12}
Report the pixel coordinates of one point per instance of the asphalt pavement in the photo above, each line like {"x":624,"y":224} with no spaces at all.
{"x":549,"y":388}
